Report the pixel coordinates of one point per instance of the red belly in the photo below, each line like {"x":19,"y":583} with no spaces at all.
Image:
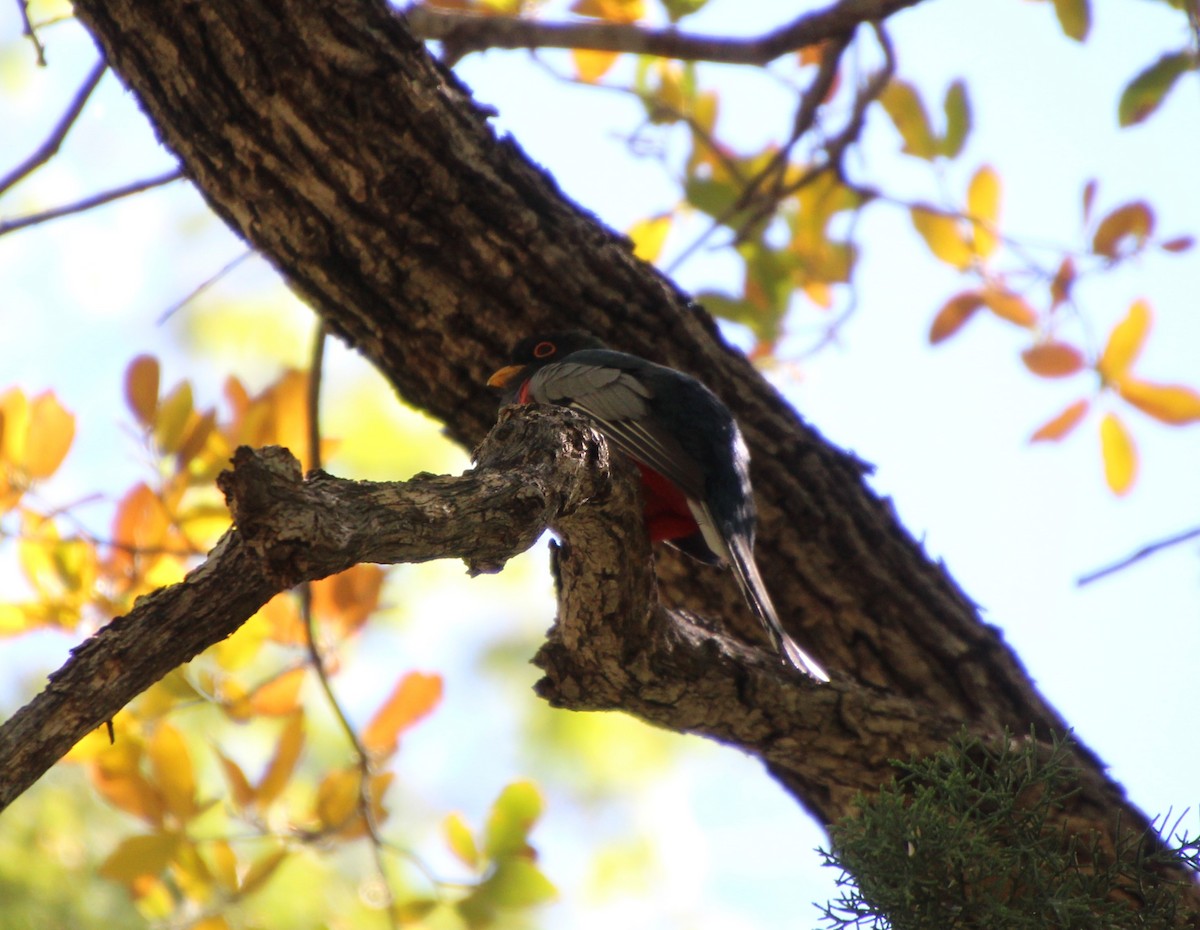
{"x":667,"y":513}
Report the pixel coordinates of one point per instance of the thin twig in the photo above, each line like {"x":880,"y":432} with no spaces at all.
{"x":365,"y":769}
{"x":89,"y":203}
{"x":202,"y":287}
{"x":49,"y":148}
{"x":463,"y":33}
{"x":1143,"y":553}
{"x":27,"y":30}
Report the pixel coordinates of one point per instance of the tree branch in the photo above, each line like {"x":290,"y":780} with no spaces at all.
{"x":89,"y":203}
{"x":463,"y":33}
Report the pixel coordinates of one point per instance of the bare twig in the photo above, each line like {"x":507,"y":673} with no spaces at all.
{"x":203,"y":286}
{"x":463,"y":33}
{"x":27,"y":30}
{"x":1145,"y":552}
{"x":49,"y":148}
{"x":89,"y":203}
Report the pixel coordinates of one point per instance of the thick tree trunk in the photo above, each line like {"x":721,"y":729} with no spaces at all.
{"x":326,"y":136}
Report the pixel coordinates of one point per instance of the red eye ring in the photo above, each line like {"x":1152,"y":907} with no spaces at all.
{"x":544,"y":349}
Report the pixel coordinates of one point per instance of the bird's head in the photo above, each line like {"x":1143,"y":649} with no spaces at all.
{"x":532,"y":352}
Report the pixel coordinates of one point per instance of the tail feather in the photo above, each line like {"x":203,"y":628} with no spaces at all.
{"x":744,"y":567}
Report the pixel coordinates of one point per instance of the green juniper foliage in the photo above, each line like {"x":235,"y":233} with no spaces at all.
{"x":969,"y":838}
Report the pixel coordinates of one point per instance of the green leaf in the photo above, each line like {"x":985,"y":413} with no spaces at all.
{"x":903,"y":104}
{"x":958,"y":120}
{"x":520,"y":883}
{"x":460,"y":839}
{"x":1146,"y":92}
{"x":678,"y":9}
{"x":1075,"y":18}
{"x":512,"y":817}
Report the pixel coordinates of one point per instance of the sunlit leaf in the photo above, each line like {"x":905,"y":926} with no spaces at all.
{"x":173,"y":415}
{"x":140,"y":525}
{"x":51,"y":430}
{"x":1075,"y":18}
{"x":1174,"y":404}
{"x":136,"y":856}
{"x":1146,"y":92}
{"x":222,"y":862}
{"x":983,"y":205}
{"x":279,"y":696}
{"x":517,"y":882}
{"x":262,"y":869}
{"x":943,"y":236}
{"x":1063,"y":424}
{"x":337,"y":797}
{"x":414,"y":911}
{"x":1120,"y":454}
{"x":1053,"y":359}
{"x":1010,"y":306}
{"x":953,"y":315}
{"x":1064,"y":280}
{"x":615,"y":11}
{"x":591,"y":65}
{"x":461,"y":840}
{"x":141,"y":388}
{"x":239,"y":784}
{"x":1125,"y":342}
{"x":279,"y":770}
{"x":649,"y":236}
{"x":14,"y":414}
{"x":1123,"y":230}
{"x":171,"y":765}
{"x":958,"y":120}
{"x":414,"y":697}
{"x":511,"y":818}
{"x":117,"y":776}
{"x":212,"y":922}
{"x":904,"y":106}
{"x":348,"y":598}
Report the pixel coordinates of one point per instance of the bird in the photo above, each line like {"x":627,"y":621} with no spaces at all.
{"x":692,"y":459}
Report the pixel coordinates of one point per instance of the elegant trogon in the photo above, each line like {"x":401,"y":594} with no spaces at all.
{"x":693,"y":461}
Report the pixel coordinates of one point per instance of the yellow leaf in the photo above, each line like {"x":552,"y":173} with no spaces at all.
{"x":953,"y":315}
{"x":136,"y":856}
{"x":649,"y":236}
{"x":1174,"y":404}
{"x":615,"y":11}
{"x":1011,"y":307}
{"x":1053,"y":359}
{"x":141,"y":388}
{"x":415,"y":696}
{"x":1125,"y":342}
{"x":1124,"y":229}
{"x":337,"y":798}
{"x":215,"y":922}
{"x":173,"y":415}
{"x":116,"y":774}
{"x":222,"y":862}
{"x":983,"y":205}
{"x":171,"y":765}
{"x":906,"y":110}
{"x":943,"y":236}
{"x":590,"y":66}
{"x":1062,"y":424}
{"x":14,"y":411}
{"x":1120,"y":454}
{"x":461,"y":840}
{"x":51,"y":429}
{"x":282,"y":764}
{"x":261,"y":870}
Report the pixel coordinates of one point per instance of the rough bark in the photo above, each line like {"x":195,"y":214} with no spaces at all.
{"x":324,"y":135}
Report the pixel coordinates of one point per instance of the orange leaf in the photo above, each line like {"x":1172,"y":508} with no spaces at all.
{"x":116,"y":774}
{"x":278,"y":697}
{"x":282,"y":764}
{"x":1125,"y":342}
{"x":1179,"y":244}
{"x":1120,"y":454}
{"x":1063,"y":424}
{"x":1064,"y":280}
{"x":413,"y":698}
{"x":262,"y":869}
{"x":51,"y":429}
{"x":141,"y":388}
{"x":1009,"y":306}
{"x":953,"y":315}
{"x":337,"y":798}
{"x":1131,"y":221}
{"x":140,"y":524}
{"x":348,"y":598}
{"x":172,"y":768}
{"x":239,"y":784}
{"x":1173,"y":404}
{"x":1053,"y":359}
{"x":590,"y":65}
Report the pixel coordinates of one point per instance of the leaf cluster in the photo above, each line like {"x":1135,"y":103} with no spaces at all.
{"x":974,"y":837}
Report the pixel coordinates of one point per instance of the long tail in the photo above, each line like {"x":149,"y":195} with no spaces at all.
{"x":744,"y":567}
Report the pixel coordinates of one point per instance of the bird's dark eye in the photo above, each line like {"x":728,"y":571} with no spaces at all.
{"x":544,"y":349}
